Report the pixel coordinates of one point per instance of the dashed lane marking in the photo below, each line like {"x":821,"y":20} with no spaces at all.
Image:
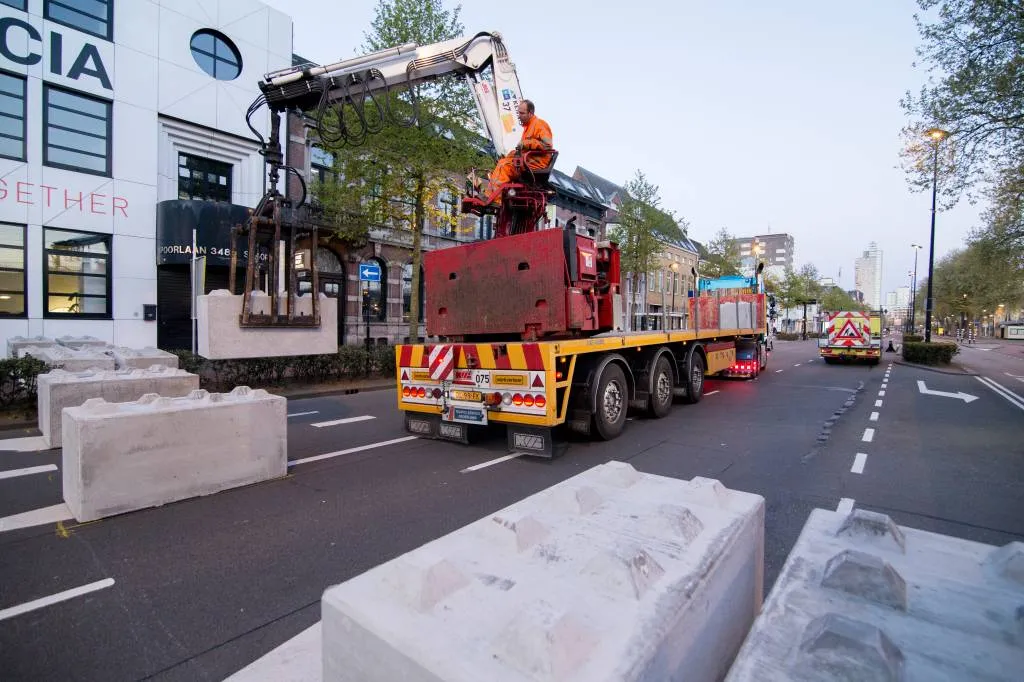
{"x":881,"y":394}
{"x":484,"y":465}
{"x":858,"y":463}
{"x":346,"y":420}
{"x":36,"y":517}
{"x":778,"y":371}
{"x":869,"y":435}
{"x":711,"y":393}
{"x":878,"y":403}
{"x":845,"y":505}
{"x":303,"y":414}
{"x":361,"y":448}
{"x":43,"y":602}
{"x":15,"y":473}
{"x":797,"y":364}
{"x":873,"y":417}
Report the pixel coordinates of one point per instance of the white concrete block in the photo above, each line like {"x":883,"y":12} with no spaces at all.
{"x":221,"y":337}
{"x":861,"y":598}
{"x":69,"y":359}
{"x":81,"y":342}
{"x":59,"y":389}
{"x":297,"y":660}
{"x":120,"y":457}
{"x":16,"y":343}
{"x":610,"y":575}
{"x":143,"y":358}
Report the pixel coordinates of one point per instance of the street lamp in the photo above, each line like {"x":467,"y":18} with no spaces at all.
{"x":936,"y":135}
{"x":913,"y":289}
{"x":675,"y":269}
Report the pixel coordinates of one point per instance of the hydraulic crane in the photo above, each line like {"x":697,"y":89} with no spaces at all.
{"x":527,"y":283}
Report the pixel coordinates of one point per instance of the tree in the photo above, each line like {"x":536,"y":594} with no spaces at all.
{"x":723,"y":256}
{"x":642,"y":226}
{"x":394,"y":177}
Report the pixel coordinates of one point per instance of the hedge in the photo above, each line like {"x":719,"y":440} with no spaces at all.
{"x":929,"y":353}
{"x":912,"y":338}
{"x":785,"y":336}
{"x":18,"y":381}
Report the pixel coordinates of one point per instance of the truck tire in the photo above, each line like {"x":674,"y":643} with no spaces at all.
{"x":694,"y":379}
{"x":612,"y":402}
{"x":659,"y":404}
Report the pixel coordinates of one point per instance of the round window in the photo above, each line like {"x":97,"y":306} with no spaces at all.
{"x":216,"y":55}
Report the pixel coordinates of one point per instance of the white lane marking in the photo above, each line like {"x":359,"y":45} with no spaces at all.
{"x":1002,"y":391}
{"x":885,"y":384}
{"x":878,"y":403}
{"x":346,"y":420}
{"x":797,"y":364}
{"x":55,"y":598}
{"x":26,"y":444}
{"x":869,"y":435}
{"x":881,"y":394}
{"x":15,"y":473}
{"x":845,"y":505}
{"x":873,"y":417}
{"x":777,"y":371}
{"x":711,"y":393}
{"x":303,"y":414}
{"x":492,"y":462}
{"x":858,"y":463}
{"x":373,"y":445}
{"x":36,"y":517}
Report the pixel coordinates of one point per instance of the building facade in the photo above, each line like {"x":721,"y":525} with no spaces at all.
{"x":109,"y":109}
{"x":868,"y":276}
{"x":774,"y":250}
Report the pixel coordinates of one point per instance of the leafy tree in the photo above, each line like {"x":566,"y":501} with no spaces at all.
{"x":972,"y":281}
{"x":723,"y":256}
{"x":394,"y":178}
{"x":834,"y":299}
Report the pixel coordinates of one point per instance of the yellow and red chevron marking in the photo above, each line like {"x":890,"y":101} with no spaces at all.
{"x":517,"y":356}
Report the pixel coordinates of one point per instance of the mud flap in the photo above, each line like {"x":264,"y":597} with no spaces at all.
{"x":422,"y":425}
{"x":533,"y":441}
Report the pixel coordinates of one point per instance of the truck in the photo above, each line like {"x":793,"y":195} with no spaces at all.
{"x":851,"y":336}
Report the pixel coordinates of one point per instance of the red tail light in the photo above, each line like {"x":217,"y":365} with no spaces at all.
{"x":517,"y":400}
{"x":437,"y":394}
{"x":421,"y":392}
{"x":406,"y":391}
{"x":528,"y":401}
{"x":540,"y":401}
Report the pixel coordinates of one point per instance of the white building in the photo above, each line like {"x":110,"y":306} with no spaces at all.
{"x":112,"y":113}
{"x":868,"y":276}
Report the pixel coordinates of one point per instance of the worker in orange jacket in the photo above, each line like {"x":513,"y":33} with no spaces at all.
{"x":536,"y":137}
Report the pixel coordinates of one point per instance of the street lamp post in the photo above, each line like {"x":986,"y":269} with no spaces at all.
{"x":936,"y":135}
{"x":913,"y":289}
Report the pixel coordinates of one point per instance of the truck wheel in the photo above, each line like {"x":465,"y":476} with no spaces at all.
{"x":660,"y":402}
{"x":694,"y":380}
{"x":612,"y":402}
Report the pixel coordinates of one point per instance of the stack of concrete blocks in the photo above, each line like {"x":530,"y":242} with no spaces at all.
{"x":131,"y":358}
{"x":60,"y":389}
{"x":861,"y":598}
{"x":610,"y":575}
{"x":16,"y":343}
{"x":82,"y":342}
{"x":121,"y":457}
{"x":69,"y":359}
{"x":220,"y":335}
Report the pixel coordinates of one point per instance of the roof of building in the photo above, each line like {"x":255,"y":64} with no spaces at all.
{"x":606,"y":189}
{"x":580,"y":190}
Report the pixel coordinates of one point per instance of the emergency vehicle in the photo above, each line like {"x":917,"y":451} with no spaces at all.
{"x":851,"y":335}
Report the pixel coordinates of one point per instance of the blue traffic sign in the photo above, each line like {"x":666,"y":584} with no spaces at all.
{"x":369,"y":272}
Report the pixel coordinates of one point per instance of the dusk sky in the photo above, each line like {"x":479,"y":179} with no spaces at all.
{"x":754,"y":116}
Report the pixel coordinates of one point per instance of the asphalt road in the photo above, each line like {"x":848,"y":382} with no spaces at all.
{"x":202,"y":587}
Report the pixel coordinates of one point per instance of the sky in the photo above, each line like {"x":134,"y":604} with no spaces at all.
{"x":754,"y":116}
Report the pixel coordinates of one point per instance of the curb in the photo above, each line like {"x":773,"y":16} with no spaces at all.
{"x":14,"y":426}
{"x":964,"y":372}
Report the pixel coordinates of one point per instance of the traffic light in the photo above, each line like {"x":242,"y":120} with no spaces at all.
{"x":772,"y":310}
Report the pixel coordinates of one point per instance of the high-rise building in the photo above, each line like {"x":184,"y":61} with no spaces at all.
{"x":775,"y":250}
{"x":868,"y":276}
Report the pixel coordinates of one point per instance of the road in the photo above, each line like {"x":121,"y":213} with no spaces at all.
{"x":198,"y":589}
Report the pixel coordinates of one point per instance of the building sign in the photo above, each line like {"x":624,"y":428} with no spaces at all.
{"x":66,"y":54}
{"x":212,"y":221}
{"x":62,"y":198}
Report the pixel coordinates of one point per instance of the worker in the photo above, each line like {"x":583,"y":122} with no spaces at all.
{"x":536,"y":136}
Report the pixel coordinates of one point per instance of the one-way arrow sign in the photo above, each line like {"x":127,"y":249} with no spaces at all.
{"x":369,"y":272}
{"x":966,"y":397}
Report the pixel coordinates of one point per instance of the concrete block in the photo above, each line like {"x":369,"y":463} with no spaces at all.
{"x":58,"y":389}
{"x":16,"y":343}
{"x":861,"y":598}
{"x":221,"y":337}
{"x":82,"y":342}
{"x":297,"y":660}
{"x":610,"y":575}
{"x":120,"y":457}
{"x":129,"y":358}
{"x":69,"y":359}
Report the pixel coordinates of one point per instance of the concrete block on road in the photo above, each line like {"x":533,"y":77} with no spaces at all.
{"x":68,"y":359}
{"x":610,"y":575}
{"x":220,"y":336}
{"x":16,"y":343}
{"x":297,"y":660}
{"x":59,"y":389}
{"x":144,"y":358}
{"x":861,"y":598}
{"x":82,"y":342}
{"x":120,"y":457}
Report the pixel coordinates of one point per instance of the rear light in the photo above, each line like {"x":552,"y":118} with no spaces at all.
{"x":528,"y":401}
{"x":540,"y":401}
{"x":559,"y":376}
{"x":506,"y":398}
{"x":517,"y":400}
{"x":494,"y":399}
{"x":437,"y":394}
{"x":406,"y":391}
{"x":421,"y":392}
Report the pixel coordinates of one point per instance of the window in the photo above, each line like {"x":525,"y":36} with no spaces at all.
{"x":77,"y":280}
{"x":95,"y":17}
{"x":16,"y":4}
{"x":203,"y":179}
{"x":407,"y":293}
{"x":12,"y":116}
{"x":375,"y":298}
{"x":76,"y":131}
{"x":12,"y":270}
{"x":216,"y":55}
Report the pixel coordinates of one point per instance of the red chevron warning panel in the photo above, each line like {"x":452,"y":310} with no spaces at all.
{"x":848,"y":334}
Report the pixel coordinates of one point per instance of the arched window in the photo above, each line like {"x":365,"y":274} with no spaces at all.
{"x":407,"y":293}
{"x":375,"y":296}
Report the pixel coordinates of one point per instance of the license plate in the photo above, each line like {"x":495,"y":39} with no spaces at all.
{"x":466,"y":415}
{"x":468,"y":396}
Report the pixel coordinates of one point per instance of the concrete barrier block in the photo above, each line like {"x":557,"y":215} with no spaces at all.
{"x":861,"y":598}
{"x":59,"y":389}
{"x":221,"y":337}
{"x":120,"y":457}
{"x":610,"y":575}
{"x":82,"y":342}
{"x":16,"y":343}
{"x":144,"y":358}
{"x":69,"y":359}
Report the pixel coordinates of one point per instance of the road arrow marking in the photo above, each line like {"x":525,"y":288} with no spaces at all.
{"x":966,"y":397}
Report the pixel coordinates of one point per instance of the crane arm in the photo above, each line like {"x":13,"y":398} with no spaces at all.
{"x":353,"y":81}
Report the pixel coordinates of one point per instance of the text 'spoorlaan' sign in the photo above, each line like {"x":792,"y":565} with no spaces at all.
{"x":62,"y":198}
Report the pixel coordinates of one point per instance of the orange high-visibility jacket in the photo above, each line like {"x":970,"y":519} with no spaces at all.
{"x":536,"y":136}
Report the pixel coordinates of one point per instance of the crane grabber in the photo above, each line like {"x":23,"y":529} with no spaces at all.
{"x":348,"y":101}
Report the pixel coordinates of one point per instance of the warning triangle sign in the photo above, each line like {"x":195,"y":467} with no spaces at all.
{"x":849,"y":331}
{"x":537,"y":382}
{"x":405,"y":375}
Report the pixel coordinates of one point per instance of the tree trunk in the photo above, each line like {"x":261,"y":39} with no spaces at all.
{"x":419,"y":219}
